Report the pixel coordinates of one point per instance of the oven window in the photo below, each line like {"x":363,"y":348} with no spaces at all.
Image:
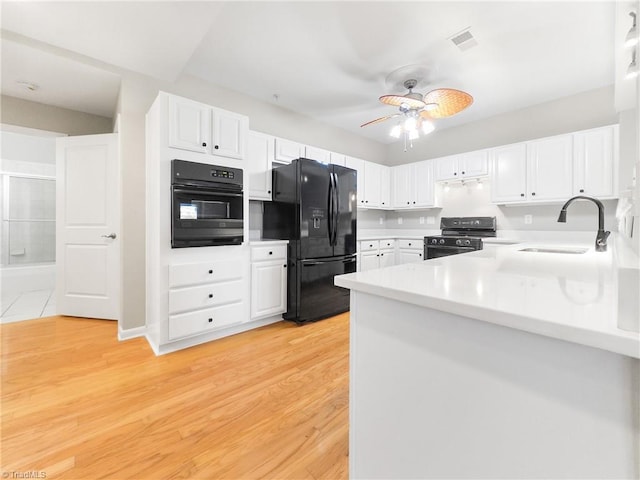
{"x":204,"y":210}
{"x":188,"y":211}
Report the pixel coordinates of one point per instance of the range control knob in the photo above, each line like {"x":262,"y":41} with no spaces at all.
{"x":442,"y":241}
{"x":434,"y":240}
{"x":458,"y":242}
{"x":467,"y":242}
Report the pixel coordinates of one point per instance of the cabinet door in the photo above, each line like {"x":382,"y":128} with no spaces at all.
{"x":268,"y":288}
{"x":260,"y":150}
{"x":446,"y":168}
{"x":402,"y":186}
{"x":387,"y":258}
{"x":286,"y":150}
{"x":550,"y":168}
{"x":372,"y":184}
{"x":509,"y":173}
{"x":473,"y":164}
{"x":229,"y":134}
{"x":337,"y":159}
{"x":358,"y":165}
{"x":423,"y":185}
{"x":385,"y":187}
{"x":369,"y":261}
{"x":189,"y":125}
{"x":594,"y":162}
{"x":318,"y":154}
{"x":409,"y":256}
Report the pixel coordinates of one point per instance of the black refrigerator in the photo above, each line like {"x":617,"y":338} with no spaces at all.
{"x":314,"y":207}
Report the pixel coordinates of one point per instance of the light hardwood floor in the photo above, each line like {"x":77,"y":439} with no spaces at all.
{"x":269,"y":403}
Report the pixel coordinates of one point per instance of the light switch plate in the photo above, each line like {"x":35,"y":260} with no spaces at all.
{"x":528,"y":219}
{"x":399,"y":220}
{"x":431,"y":220}
{"x":421,"y":220}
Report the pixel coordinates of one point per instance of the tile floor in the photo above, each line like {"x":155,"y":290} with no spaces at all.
{"x":26,"y":305}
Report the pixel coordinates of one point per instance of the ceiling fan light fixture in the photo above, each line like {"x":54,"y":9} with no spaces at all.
{"x":411,"y":124}
{"x":632,"y":36}
{"x":396,"y":131}
{"x":413,"y":135}
{"x":427,"y":127}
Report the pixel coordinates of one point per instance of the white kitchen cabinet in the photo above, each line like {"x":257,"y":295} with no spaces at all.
{"x":189,"y":125}
{"x":268,"y":280}
{"x":357,"y":164}
{"x":229,"y":134}
{"x":410,"y":250}
{"x":372,"y":183}
{"x":287,"y":150}
{"x":413,"y":186}
{"x":459,"y":167}
{"x":260,"y":152}
{"x":385,"y":187}
{"x":550,"y":168}
{"x":200,"y":128}
{"x":376,"y":254}
{"x":595,"y":162}
{"x":318,"y":154}
{"x":337,"y":159}
{"x":509,"y":173}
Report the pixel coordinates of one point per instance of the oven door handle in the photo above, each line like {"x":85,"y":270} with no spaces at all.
{"x":194,"y":191}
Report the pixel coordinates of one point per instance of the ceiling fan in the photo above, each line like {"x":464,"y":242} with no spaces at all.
{"x":418,"y":110}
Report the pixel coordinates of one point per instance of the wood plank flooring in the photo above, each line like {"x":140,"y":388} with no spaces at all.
{"x":269,"y":403}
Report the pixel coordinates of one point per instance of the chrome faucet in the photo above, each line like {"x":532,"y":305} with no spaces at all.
{"x":601,"y":237}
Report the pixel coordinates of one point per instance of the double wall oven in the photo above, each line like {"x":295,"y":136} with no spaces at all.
{"x":206,"y":205}
{"x":459,"y":235}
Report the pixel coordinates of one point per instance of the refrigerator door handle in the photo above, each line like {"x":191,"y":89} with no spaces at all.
{"x":336,"y":208}
{"x":330,"y":209}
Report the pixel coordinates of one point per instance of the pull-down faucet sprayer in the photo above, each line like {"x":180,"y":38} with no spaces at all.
{"x":601,"y":237}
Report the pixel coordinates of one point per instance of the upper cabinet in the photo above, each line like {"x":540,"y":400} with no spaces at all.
{"x":286,"y":150}
{"x":413,"y":186}
{"x":465,"y":165}
{"x":595,"y":164}
{"x":200,"y":128}
{"x":373,"y":183}
{"x":319,"y":154}
{"x":556,"y":168}
{"x":260,"y":152}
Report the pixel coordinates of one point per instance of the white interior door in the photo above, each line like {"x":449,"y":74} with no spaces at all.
{"x":88,"y":226}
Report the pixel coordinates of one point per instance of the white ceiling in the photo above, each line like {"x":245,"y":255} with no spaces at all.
{"x":328,"y":60}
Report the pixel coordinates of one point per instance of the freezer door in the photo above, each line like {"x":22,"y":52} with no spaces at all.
{"x":345,"y":238}
{"x":315,"y":216}
{"x":316,"y":296}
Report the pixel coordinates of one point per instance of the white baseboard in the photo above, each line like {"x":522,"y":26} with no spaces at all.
{"x":131,"y":333}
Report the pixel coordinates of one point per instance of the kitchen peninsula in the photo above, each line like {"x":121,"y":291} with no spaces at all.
{"x":499,"y":363}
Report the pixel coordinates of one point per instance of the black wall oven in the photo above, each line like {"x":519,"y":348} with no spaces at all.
{"x":206,"y":205}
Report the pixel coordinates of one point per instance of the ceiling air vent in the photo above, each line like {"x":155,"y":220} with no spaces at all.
{"x":464,"y":40}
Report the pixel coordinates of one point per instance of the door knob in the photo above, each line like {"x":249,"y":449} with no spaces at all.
{"x":112,"y":236}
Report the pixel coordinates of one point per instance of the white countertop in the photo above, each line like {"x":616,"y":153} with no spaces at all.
{"x":580,"y":298}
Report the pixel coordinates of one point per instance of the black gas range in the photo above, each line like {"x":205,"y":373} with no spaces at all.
{"x":459,"y":235}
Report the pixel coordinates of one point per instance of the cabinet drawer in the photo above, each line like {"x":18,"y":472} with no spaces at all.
{"x":388,"y":244}
{"x":203,"y":296}
{"x":367,"y":246}
{"x":273,"y":252}
{"x":206,"y":272}
{"x":411,"y":244}
{"x":202,"y":321}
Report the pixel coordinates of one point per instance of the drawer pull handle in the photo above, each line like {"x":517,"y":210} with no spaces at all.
{"x":204,"y":144}
{"x":270,"y":253}
{"x":211,"y":320}
{"x":211,"y":295}
{"x":284,"y":266}
{"x":210,"y":272}
{"x":409,"y":244}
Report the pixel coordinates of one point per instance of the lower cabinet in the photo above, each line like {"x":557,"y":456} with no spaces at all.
{"x":377,"y":254}
{"x":410,"y":250}
{"x":268,"y":280}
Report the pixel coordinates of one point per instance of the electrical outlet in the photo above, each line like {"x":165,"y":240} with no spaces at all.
{"x":399,"y":220}
{"x":381,"y":220}
{"x":431,"y":220}
{"x":528,"y":219}
{"x":421,"y":220}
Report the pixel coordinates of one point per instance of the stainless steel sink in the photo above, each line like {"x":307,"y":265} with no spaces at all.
{"x":555,"y":250}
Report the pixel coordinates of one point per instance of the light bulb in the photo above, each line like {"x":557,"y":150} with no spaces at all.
{"x":427,"y":127}
{"x":396,"y":131}
{"x":410,"y":124}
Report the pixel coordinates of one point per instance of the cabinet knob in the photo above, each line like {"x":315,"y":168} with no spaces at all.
{"x":204,"y":144}
{"x":419,"y":254}
{"x":269,"y":192}
{"x":582,"y":190}
{"x":522,"y":194}
{"x":211,"y":295}
{"x":284,"y":266}
{"x":408,"y":203}
{"x":409,"y":244}
{"x":366,"y":201}
{"x":455,"y":173}
{"x":533,"y":194}
{"x":210,"y":272}
{"x":270,"y":253}
{"x":216,"y":147}
{"x":462,"y":172}
{"x":378,"y":255}
{"x":211,"y":320}
{"x":414,"y":203}
{"x":383,"y":203}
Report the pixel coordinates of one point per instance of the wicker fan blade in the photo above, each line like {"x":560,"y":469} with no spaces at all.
{"x":449,"y":100}
{"x":426,"y":114}
{"x":397,"y":100}
{"x":381,"y":119}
